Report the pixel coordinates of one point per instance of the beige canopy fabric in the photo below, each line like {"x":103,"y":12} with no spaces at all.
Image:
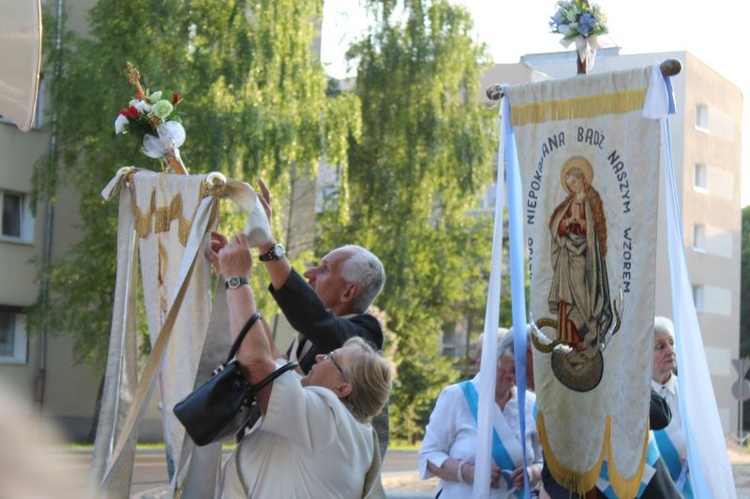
{"x":169,"y":217}
{"x":21,"y":53}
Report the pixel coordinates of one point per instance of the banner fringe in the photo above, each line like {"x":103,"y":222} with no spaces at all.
{"x":627,"y":487}
{"x":580,"y":482}
{"x":578,"y":107}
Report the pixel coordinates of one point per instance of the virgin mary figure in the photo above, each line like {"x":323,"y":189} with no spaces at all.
{"x":579,"y":293}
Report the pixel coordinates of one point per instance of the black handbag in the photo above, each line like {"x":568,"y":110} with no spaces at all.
{"x":222,"y":406}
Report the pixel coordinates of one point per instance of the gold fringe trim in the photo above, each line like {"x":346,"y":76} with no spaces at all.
{"x":623,"y":487}
{"x":577,"y":107}
{"x":580,"y":482}
{"x":159,"y":218}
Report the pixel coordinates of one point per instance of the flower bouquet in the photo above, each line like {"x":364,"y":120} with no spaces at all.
{"x":152,"y":119}
{"x":581,"y":23}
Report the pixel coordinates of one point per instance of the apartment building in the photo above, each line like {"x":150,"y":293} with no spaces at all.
{"x":40,"y":368}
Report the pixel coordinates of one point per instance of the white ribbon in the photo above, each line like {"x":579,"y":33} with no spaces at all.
{"x":171,"y":136}
{"x":585,"y":46}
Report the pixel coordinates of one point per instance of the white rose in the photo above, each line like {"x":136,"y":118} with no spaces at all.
{"x":143,"y":107}
{"x":155,"y":96}
{"x":120,"y":123}
{"x":163,"y":108}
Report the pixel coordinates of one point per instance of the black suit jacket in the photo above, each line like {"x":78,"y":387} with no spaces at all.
{"x":306,"y":313}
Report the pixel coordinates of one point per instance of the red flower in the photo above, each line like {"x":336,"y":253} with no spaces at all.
{"x":175,"y":98}
{"x":131,"y":112}
{"x":138,"y":96}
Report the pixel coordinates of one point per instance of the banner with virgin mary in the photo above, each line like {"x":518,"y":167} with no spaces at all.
{"x":589,"y":164}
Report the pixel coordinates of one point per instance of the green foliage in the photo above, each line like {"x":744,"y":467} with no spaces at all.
{"x":744,"y":301}
{"x":424,"y":153}
{"x":254,"y":105}
{"x":745,"y":284}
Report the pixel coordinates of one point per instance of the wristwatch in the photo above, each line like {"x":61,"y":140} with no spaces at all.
{"x":276,"y":252}
{"x":235,"y":282}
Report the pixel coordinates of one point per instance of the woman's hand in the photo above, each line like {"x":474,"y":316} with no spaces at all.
{"x":467,"y":471}
{"x":218,"y":241}
{"x":235,"y":258}
{"x":496,"y":476}
{"x":535,"y":474}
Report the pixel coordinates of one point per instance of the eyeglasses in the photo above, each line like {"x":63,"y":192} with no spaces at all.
{"x":329,"y":356}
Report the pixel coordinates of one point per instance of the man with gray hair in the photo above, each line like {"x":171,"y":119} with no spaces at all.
{"x":328,"y":309}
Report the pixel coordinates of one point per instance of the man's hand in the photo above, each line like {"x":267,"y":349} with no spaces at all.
{"x":265,"y":199}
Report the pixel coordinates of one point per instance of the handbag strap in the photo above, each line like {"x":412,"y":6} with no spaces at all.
{"x":278,"y":372}
{"x":238,"y":341}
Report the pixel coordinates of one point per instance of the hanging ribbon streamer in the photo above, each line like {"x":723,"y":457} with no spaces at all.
{"x":488,"y":362}
{"x":517,"y":287}
{"x":710,"y":474}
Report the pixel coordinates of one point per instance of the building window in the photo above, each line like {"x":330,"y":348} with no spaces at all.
{"x":700,"y":177}
{"x":699,"y":237}
{"x":17,"y":222}
{"x":13,"y":342}
{"x":701,"y":117}
{"x":699,"y":298}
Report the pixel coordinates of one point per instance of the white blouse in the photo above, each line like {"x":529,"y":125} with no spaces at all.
{"x":451,"y":433}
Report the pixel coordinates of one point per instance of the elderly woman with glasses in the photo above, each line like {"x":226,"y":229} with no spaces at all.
{"x":671,"y":440}
{"x":449,"y":445}
{"x":314,"y":438}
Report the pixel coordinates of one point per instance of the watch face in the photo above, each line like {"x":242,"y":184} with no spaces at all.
{"x":275,"y":253}
{"x":233,"y":282}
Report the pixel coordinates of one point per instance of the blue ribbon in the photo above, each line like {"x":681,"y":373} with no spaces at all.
{"x":516,"y":244}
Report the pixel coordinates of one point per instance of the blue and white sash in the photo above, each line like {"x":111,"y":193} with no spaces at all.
{"x":677,"y":470}
{"x":500,"y":454}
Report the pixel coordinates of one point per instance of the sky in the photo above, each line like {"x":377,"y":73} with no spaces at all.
{"x":711,"y":31}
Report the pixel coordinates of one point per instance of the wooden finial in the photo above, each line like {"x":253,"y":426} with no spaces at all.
{"x":134,"y":77}
{"x":670,"y":67}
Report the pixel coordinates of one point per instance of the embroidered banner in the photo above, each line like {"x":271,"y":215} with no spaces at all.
{"x":589,"y":165}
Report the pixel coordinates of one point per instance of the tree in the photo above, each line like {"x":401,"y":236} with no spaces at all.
{"x":425,"y":150}
{"x":255,"y":104}
{"x":745,"y":285}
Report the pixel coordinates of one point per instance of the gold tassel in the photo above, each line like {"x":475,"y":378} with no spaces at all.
{"x":577,"y":107}
{"x":579,"y":482}
{"x":623,"y":487}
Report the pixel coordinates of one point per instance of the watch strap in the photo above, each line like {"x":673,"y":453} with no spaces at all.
{"x":235,"y":282}
{"x":276,"y":252}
